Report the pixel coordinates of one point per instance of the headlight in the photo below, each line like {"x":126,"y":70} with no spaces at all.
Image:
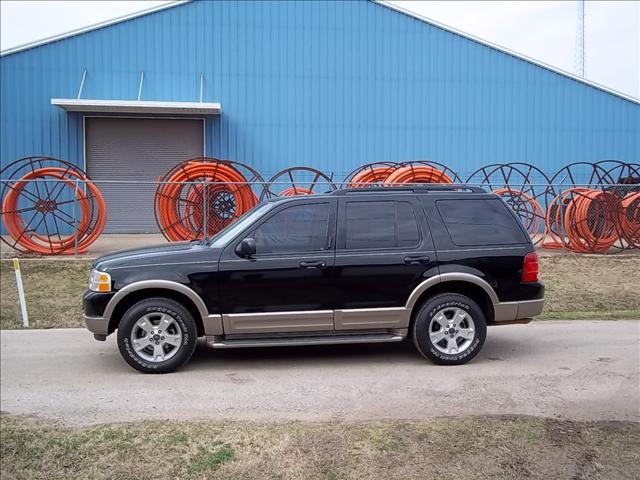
{"x":99,"y":281}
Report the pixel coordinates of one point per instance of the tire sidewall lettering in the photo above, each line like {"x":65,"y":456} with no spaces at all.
{"x":423,"y":341}
{"x":138,"y":311}
{"x":476,"y":341}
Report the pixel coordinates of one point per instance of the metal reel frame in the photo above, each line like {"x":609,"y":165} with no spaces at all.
{"x":274,"y":186}
{"x":190,"y":205}
{"x":45,"y":203}
{"x":519,"y":188}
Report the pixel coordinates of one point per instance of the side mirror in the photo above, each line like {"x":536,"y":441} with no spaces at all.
{"x":246,"y":248}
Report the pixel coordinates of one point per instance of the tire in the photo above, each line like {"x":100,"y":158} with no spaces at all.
{"x":434,"y":341}
{"x":142,"y":326}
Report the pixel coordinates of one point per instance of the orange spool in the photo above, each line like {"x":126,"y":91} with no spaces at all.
{"x":369,"y":176}
{"x":218,"y":202}
{"x":418,"y":174}
{"x":191,"y":179}
{"x":630,"y":219}
{"x":585,"y":220}
{"x":86,"y":232}
{"x":590,"y":221}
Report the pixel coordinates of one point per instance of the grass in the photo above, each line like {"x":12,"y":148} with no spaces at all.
{"x":598,"y":315}
{"x":53,"y":289}
{"x":591,"y":283}
{"x":211,"y":460}
{"x":465,"y":448}
{"x":578,"y":287}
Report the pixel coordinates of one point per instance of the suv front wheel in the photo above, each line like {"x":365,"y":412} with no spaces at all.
{"x":157,"y":335}
{"x":449,"y":329}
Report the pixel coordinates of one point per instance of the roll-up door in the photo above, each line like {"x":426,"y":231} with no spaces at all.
{"x":123,"y":153}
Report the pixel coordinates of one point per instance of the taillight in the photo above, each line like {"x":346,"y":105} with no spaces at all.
{"x":530,"y":267}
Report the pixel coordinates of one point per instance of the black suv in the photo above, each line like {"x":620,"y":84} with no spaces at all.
{"x":433,"y":263}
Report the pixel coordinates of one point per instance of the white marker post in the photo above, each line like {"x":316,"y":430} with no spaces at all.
{"x":23,"y":302}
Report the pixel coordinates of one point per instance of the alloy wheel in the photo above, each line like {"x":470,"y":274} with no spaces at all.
{"x":156,"y":337}
{"x":452,"y":330}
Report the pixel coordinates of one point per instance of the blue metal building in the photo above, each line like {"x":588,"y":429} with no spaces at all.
{"x":275,"y":84}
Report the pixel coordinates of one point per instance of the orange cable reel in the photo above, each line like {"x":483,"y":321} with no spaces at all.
{"x":585,"y":220}
{"x":370,"y":176}
{"x":417,"y":174}
{"x":87,"y":230}
{"x":591,"y":221}
{"x":195,"y":178}
{"x":630,"y":219}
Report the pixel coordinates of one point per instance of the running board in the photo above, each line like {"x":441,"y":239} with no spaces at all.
{"x":217,"y":342}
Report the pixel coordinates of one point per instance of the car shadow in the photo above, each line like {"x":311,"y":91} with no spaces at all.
{"x":400,"y":353}
{"x":498,"y":348}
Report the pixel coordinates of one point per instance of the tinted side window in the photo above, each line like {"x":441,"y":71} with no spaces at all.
{"x":479,"y":222}
{"x":385,"y":224}
{"x":407,"y":234}
{"x":301,"y":228}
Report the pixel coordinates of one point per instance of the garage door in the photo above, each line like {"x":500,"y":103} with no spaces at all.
{"x":135,"y":150}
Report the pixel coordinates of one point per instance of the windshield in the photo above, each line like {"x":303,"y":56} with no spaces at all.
{"x":225,"y":235}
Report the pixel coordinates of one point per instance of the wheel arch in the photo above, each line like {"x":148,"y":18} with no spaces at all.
{"x":132,"y":294}
{"x":472,"y":288}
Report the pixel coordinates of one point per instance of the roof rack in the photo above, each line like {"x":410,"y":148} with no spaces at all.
{"x":413,"y":188}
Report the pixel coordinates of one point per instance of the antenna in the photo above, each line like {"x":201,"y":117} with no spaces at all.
{"x":579,"y":59}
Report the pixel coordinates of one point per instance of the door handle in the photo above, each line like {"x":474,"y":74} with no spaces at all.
{"x":409,"y":260}
{"x":321,"y":265}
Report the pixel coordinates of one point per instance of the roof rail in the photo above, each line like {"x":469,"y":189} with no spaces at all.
{"x":413,"y":188}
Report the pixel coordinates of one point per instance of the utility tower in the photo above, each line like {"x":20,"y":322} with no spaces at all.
{"x":579,"y":59}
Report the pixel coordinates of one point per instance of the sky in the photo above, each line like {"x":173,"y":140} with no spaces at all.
{"x":542,"y":30}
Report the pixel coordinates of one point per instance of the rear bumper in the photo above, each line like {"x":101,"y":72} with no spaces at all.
{"x":507,"y":312}
{"x":530,"y":308}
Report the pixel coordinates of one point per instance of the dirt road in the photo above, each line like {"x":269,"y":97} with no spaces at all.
{"x":582,"y":370}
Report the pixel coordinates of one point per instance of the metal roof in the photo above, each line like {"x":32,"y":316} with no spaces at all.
{"x":88,"y":28}
{"x":383,"y":3}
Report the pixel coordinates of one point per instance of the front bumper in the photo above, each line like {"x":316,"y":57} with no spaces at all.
{"x":94,"y":305}
{"x":99,"y":326}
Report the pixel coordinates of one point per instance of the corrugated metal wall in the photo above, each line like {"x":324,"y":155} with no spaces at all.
{"x":326,"y":84}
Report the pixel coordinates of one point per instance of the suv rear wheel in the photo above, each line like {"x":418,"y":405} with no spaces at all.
{"x":157,"y":335}
{"x":449,"y":329}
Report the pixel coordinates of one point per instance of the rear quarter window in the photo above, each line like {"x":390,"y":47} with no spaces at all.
{"x":478,"y":222}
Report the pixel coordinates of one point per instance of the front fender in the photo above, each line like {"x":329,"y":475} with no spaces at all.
{"x":151,"y":284}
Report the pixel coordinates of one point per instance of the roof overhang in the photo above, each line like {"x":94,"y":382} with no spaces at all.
{"x":88,"y":28}
{"x":134,"y":106}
